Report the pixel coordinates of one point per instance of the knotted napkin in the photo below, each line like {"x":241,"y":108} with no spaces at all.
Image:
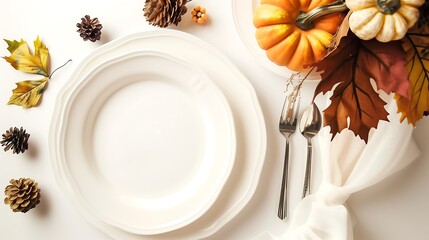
{"x":349,"y":165}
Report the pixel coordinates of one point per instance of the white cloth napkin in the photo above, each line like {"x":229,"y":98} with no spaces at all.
{"x":349,"y":165}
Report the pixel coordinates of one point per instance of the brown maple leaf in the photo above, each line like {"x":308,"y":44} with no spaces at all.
{"x":350,"y":67}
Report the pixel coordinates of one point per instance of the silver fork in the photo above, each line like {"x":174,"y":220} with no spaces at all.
{"x":287,"y":126}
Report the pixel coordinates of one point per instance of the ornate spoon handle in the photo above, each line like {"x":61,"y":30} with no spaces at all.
{"x":308,"y":169}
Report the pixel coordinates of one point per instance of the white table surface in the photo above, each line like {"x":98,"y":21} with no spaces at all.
{"x":396,"y":209}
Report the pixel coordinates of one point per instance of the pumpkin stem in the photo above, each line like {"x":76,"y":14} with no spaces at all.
{"x":305,"y":20}
{"x":388,"y":6}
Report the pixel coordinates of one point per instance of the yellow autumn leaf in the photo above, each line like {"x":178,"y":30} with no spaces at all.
{"x":23,"y":60}
{"x":28,"y":93}
{"x":416,"y":46}
{"x":42,"y":52}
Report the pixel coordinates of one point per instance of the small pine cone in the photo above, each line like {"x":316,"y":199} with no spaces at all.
{"x":162,"y":13}
{"x":15,"y":139}
{"x":89,"y":29}
{"x":22,"y":195}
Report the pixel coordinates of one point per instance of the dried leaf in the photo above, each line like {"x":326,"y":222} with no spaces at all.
{"x":42,"y":52}
{"x":416,"y":46}
{"x":386,"y":64}
{"x":23,"y":60}
{"x":350,"y":67}
{"x":341,"y":32}
{"x":28,"y":93}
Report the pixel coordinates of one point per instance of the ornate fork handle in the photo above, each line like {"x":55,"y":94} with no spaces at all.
{"x":282,"y":210}
{"x":287,"y":125}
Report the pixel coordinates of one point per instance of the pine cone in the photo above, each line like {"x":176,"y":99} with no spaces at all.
{"x":89,"y":29}
{"x":15,"y":139}
{"x":162,"y":13}
{"x":22,"y":195}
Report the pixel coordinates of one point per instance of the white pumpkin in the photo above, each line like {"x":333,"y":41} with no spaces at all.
{"x":385,"y":20}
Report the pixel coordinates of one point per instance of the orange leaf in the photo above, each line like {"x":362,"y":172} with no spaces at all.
{"x":416,"y":46}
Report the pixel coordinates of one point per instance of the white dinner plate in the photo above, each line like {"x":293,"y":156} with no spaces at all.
{"x":242,"y":12}
{"x":248,"y":120}
{"x":148,"y":141}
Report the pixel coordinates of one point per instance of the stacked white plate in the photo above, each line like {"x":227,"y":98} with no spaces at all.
{"x":156,"y":136}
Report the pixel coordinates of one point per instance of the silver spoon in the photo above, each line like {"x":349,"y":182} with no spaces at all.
{"x":309,"y":126}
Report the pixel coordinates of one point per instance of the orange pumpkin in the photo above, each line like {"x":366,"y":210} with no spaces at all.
{"x":286,"y":44}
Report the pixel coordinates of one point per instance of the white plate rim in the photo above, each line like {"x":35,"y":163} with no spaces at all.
{"x":257,"y":159}
{"x":69,"y":97}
